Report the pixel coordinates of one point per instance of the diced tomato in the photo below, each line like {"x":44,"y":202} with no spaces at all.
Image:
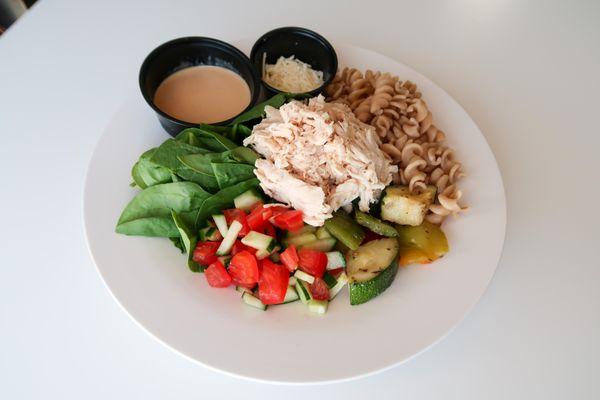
{"x":237,"y":215}
{"x":256,"y":219}
{"x":269,"y":230}
{"x":205,"y":252}
{"x":290,"y":220}
{"x":370,"y":236}
{"x":243,"y":269}
{"x":217,"y":275}
{"x":239,"y":246}
{"x":319,"y":289}
{"x":273,"y":283}
{"x":276,"y":210}
{"x":312,"y":262}
{"x":289,"y":258}
{"x":267,"y":212}
{"x":336,"y":272}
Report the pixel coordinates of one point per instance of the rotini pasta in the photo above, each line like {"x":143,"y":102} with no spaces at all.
{"x":409,"y":137}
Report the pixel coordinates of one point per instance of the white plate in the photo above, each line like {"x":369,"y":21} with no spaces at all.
{"x":287,"y":344}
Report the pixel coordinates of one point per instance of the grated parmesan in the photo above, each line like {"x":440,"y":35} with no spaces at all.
{"x":289,"y":74}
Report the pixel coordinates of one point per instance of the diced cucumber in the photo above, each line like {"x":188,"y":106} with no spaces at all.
{"x":302,"y":231}
{"x":304,"y":276}
{"x":290,"y":295}
{"x":262,"y":254}
{"x":322,"y":233}
{"x":292,"y":281}
{"x":342,"y":280}
{"x":303,"y":292}
{"x":318,"y":306}
{"x":323,"y":245}
{"x":345,"y":229}
{"x":371,"y":269}
{"x":229,"y":239}
{"x":259,"y":241}
{"x":335,"y":260}
{"x":252,"y":301}
{"x":300,"y":239}
{"x":275,"y":257}
{"x":221,"y":224}
{"x":224,"y":260}
{"x":375,"y":224}
{"x":243,"y":290}
{"x":210,"y":233}
{"x":248,"y":199}
{"x":329,"y":279}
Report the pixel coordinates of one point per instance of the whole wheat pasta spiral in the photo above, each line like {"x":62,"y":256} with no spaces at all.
{"x":408,"y":134}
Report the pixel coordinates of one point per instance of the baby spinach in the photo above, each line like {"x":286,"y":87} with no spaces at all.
{"x":228,"y":174}
{"x":168,"y":155}
{"x":244,"y":154}
{"x":205,"y":138}
{"x":207,"y":181}
{"x":188,"y":239}
{"x":177,"y":243}
{"x":201,"y":162}
{"x":149,"y":213}
{"x":190,"y":177}
{"x":240,"y":132}
{"x":145,"y":173}
{"x":258,"y":111}
{"x":223,"y":199}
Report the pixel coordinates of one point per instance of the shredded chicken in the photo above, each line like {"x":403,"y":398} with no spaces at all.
{"x":318,"y":158}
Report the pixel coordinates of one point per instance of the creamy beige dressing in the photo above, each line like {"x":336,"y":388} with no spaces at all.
{"x":203,"y":94}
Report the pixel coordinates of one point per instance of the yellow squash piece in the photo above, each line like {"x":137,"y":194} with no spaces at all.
{"x":421,"y":244}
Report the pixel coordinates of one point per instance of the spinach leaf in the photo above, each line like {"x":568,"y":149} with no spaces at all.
{"x":201,"y":162}
{"x":145,"y":173}
{"x":187,"y":238}
{"x":258,"y":111}
{"x":168,"y":156}
{"x":177,"y":243}
{"x":239,"y":132}
{"x":207,"y":181}
{"x":206,"y":138}
{"x":228,"y":174}
{"x":149,"y":213}
{"x":223,"y":199}
{"x":162,"y":226}
{"x":244,"y":154}
{"x":223,"y":130}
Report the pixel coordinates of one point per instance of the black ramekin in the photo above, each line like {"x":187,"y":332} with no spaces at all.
{"x":304,"y":44}
{"x":186,"y":52}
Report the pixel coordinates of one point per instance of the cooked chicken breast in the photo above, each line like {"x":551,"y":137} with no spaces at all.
{"x":319,"y":157}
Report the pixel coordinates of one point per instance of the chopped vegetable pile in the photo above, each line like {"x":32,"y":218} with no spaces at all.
{"x":199,"y":190}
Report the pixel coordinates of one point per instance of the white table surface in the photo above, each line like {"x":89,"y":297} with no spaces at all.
{"x":527,"y":73}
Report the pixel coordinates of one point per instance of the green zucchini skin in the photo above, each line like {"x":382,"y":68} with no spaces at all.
{"x":361,"y":292}
{"x":371,"y":269}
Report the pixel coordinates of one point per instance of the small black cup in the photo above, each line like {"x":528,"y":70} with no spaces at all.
{"x":187,"y":52}
{"x":306,"y":45}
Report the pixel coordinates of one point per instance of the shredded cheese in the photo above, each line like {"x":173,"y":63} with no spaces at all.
{"x":289,"y":74}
